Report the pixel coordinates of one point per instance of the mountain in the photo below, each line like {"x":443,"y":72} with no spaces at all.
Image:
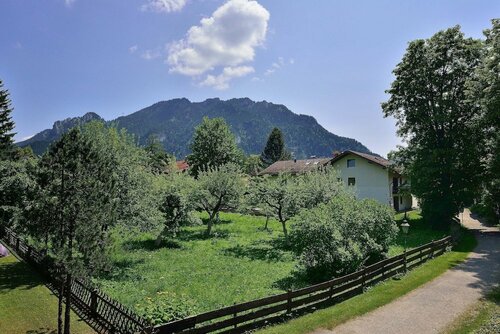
{"x":42,"y":140}
{"x":174,"y":121}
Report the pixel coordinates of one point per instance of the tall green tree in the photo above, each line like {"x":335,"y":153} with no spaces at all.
{"x":438,"y":123}
{"x":275,"y":149}
{"x":484,"y":91}
{"x":89,"y":181}
{"x":160,"y":161}
{"x":213,"y":145}
{"x":6,"y":124}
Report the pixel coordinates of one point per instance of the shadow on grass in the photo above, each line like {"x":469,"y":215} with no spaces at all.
{"x":18,"y":275}
{"x":42,"y":331}
{"x":260,"y":250}
{"x":150,"y":244}
{"x":194,"y":235}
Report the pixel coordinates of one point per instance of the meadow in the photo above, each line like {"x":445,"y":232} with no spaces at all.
{"x":241,"y":261}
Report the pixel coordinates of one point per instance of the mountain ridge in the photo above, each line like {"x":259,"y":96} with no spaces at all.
{"x":173,"y":122}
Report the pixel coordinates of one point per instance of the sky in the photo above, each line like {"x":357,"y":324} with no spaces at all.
{"x":329,"y":59}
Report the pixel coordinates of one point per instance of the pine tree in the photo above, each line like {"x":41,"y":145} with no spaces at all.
{"x":6,"y":124}
{"x":275,"y":148}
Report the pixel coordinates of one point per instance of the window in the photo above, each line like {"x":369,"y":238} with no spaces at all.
{"x":351,"y":163}
{"x":351,"y":181}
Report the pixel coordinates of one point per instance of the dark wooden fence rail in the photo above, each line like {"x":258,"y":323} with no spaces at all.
{"x":104,"y":313}
{"x":245,"y":316}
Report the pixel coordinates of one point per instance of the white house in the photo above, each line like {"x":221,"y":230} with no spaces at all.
{"x":371,"y":176}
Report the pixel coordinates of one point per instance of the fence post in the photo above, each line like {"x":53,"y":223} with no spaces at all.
{"x":17,"y":245}
{"x":363,"y":271}
{"x":29,"y":253}
{"x":93,"y":303}
{"x":405,"y":264}
{"x":234,"y":316}
{"x":289,"y":301}
{"x":431,"y":254}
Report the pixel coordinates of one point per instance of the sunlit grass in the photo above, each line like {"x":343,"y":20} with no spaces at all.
{"x":240,"y":262}
{"x":26,"y":304}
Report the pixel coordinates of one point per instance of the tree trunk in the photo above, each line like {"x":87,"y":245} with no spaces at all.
{"x":67,"y":314}
{"x":209,"y":226}
{"x":60,"y":307}
{"x":267,"y":221}
{"x":285,"y":231}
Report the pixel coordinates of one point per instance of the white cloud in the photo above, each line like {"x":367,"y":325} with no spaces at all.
{"x":27,"y":137}
{"x":221,"y":81}
{"x":226,"y":40}
{"x":68,"y":3}
{"x":280,"y":63}
{"x":133,"y":48}
{"x":163,"y":6}
{"x":150,"y":54}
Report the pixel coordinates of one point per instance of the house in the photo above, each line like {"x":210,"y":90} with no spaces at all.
{"x":182,"y":165}
{"x":371,"y":176}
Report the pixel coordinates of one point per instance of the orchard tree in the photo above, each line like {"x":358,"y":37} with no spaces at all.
{"x":177,"y":205}
{"x":216,"y":189}
{"x":6,"y":125}
{"x":213,"y":145}
{"x":484,"y":91}
{"x":275,"y":149}
{"x":438,"y":123}
{"x":285,"y":195}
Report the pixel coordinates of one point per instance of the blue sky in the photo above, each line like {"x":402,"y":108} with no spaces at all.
{"x":329,"y":59}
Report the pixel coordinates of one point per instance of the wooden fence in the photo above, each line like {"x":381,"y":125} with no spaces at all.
{"x":103,"y":313}
{"x":257,"y":313}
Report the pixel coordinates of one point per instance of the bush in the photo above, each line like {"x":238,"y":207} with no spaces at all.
{"x":165,"y":307}
{"x":339,"y":237}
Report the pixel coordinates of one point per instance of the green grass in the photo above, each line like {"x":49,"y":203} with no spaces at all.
{"x":238,"y":263}
{"x":241,"y":262}
{"x":26,"y":304}
{"x":483,"y":317}
{"x":378,"y":295}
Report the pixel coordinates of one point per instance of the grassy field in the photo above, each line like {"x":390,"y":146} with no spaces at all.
{"x":240,"y":262}
{"x":482,"y":318}
{"x":26,"y":305}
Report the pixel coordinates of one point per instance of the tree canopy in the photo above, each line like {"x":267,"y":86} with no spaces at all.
{"x":213,"y":145}
{"x":6,"y":124}
{"x":438,"y":123}
{"x":275,"y":149}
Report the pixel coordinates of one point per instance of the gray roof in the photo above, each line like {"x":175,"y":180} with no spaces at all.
{"x":295,"y":166}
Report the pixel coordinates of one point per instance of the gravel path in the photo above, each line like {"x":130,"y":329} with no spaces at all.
{"x":430,"y":308}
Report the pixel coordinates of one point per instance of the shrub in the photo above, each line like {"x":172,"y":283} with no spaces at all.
{"x":165,"y":307}
{"x":340,"y":236}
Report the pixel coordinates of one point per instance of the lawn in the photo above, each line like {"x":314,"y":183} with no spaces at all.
{"x":240,"y":262}
{"x":26,"y":304}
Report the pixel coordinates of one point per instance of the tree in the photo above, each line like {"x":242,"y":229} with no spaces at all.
{"x":275,"y":148}
{"x":213,"y":145}
{"x":484,"y":91}
{"x":252,"y":165}
{"x":6,"y":125}
{"x":160,"y":161}
{"x":216,"y":189}
{"x":177,"y":204}
{"x":434,"y":118}
{"x":339,"y":236}
{"x":285,"y":195}
{"x":89,"y":180}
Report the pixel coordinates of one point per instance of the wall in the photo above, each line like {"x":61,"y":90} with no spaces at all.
{"x":372,"y":180}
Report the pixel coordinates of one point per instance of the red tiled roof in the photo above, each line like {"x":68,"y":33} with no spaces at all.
{"x":182,"y":165}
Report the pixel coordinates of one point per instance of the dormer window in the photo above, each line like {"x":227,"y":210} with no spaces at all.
{"x":351,"y":163}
